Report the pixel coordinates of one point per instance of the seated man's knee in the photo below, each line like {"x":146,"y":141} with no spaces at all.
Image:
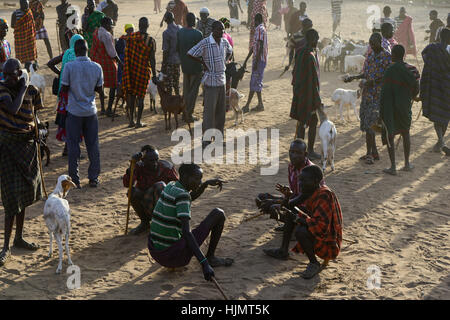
{"x":158,"y":188}
{"x":219,"y":214}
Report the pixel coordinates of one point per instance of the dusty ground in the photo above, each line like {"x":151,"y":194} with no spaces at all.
{"x":400,"y":224}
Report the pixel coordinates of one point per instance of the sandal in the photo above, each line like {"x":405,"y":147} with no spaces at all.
{"x":376,"y":156}
{"x":370,"y":160}
{"x":4,"y":257}
{"x":21,"y":243}
{"x":364,"y":157}
{"x":390,"y":171}
{"x":408,"y":168}
{"x":220,"y":262}
{"x":311,"y":270}
{"x":277,"y":254}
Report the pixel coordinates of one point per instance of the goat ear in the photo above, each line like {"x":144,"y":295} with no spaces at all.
{"x":66,"y":185}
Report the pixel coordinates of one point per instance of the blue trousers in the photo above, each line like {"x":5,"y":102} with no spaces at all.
{"x":88,"y":128}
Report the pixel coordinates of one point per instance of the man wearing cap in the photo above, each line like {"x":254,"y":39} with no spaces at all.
{"x":204,"y":25}
{"x":171,"y":59}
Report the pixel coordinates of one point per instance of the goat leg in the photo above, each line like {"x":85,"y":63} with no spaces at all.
{"x":176,"y":119}
{"x":165,"y":120}
{"x":50,"y":250}
{"x":58,"y":240}
{"x":67,"y":248}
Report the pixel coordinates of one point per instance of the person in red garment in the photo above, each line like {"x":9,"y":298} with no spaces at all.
{"x":104,"y":53}
{"x":149,"y":179}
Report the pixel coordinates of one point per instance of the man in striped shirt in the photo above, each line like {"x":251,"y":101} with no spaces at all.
{"x":259,"y":50}
{"x":19,"y":167}
{"x":171,"y":242}
{"x":336,"y":13}
{"x":213,"y":52}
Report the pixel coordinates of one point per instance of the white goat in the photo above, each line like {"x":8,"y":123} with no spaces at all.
{"x":152,"y":91}
{"x":235,"y":23}
{"x":332,"y":51}
{"x":355,"y":62}
{"x":327,"y":134}
{"x":359,"y":49}
{"x":235,"y":96}
{"x":38,"y":81}
{"x":57,"y":217}
{"x":344,"y":97}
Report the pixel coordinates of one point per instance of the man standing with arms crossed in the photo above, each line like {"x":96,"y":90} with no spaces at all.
{"x":213,"y":52}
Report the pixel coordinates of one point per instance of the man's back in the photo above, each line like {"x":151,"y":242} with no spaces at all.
{"x":170,"y":43}
{"x":186,"y":39}
{"x":83,"y":76}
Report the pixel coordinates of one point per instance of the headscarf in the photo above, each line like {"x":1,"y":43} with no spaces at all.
{"x":3,"y":21}
{"x":128,"y":26}
{"x":69,"y":55}
{"x":226,"y":22}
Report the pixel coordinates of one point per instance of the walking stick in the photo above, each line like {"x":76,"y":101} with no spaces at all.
{"x":254,"y":217}
{"x":296,"y":129}
{"x":219,"y":288}
{"x":130,"y":185}
{"x":36,"y":131}
{"x":58,"y":37}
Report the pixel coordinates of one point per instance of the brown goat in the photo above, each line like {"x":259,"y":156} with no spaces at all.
{"x":171,"y":104}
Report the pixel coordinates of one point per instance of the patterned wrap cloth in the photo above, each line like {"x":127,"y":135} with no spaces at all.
{"x":108,"y":64}
{"x":25,"y":38}
{"x":93,"y":23}
{"x":137,"y":69}
{"x":324,"y":222}
{"x":374,"y":68}
{"x":38,"y":14}
{"x":19,"y":168}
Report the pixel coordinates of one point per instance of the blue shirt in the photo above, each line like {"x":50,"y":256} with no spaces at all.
{"x":82,"y":76}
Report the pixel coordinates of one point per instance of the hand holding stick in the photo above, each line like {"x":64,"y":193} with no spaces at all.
{"x":130,"y":186}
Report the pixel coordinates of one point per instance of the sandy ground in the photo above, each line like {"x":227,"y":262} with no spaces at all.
{"x":400,"y":224}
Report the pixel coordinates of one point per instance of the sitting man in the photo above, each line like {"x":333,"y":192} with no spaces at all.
{"x":151,"y":176}
{"x":317,"y":224}
{"x":171,"y":242}
{"x":298,"y":157}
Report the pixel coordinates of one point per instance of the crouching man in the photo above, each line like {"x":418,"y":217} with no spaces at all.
{"x":317,"y":225}
{"x":149,"y":179}
{"x":171,"y":242}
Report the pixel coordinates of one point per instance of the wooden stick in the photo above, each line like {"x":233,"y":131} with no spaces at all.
{"x":296,"y":130}
{"x":130,"y":186}
{"x":254,"y":217}
{"x":36,"y":131}
{"x":219,"y":288}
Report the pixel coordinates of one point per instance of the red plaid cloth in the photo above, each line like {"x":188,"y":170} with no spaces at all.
{"x":146,"y":179}
{"x":108,"y":64}
{"x":25,"y":38}
{"x":325,"y":223}
{"x":136,"y":70}
{"x":38,"y":11}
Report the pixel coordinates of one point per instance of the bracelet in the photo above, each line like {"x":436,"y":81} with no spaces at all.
{"x":203,"y":260}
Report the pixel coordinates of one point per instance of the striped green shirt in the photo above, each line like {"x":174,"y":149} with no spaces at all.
{"x":175,"y":202}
